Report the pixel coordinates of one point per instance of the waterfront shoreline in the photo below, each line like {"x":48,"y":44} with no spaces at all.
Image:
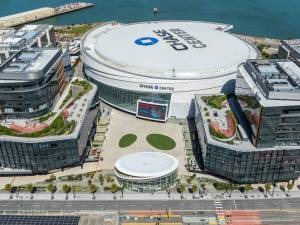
{"x":256,"y":40}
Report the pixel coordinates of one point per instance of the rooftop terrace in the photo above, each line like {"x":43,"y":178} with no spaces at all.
{"x":66,"y":118}
{"x":220,"y":125}
{"x":219,"y":118}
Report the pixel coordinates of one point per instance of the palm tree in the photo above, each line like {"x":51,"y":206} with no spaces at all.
{"x":194,"y":189}
{"x":114,"y":189}
{"x":92,"y":189}
{"x":66,"y":189}
{"x":267,"y":188}
{"x":30,"y":189}
{"x":181,"y":189}
{"x":51,"y":188}
{"x":75,"y":189}
{"x":8,"y":188}
{"x":290,"y":186}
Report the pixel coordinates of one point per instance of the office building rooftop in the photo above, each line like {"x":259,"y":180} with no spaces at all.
{"x":24,"y":36}
{"x":29,"y":64}
{"x":273,"y":81}
{"x":294,"y":44}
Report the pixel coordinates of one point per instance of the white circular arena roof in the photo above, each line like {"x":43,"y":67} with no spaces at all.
{"x":168,"y":49}
{"x":146,"y":164}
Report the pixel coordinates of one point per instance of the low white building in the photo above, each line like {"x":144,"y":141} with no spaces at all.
{"x":154,"y":69}
{"x":146,"y":171}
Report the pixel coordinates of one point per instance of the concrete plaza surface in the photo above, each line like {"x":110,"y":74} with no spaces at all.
{"x":123,"y":123}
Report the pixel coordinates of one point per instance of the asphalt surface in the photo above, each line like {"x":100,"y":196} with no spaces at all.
{"x":287,"y":204}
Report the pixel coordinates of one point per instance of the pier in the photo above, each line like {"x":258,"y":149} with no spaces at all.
{"x":41,"y":13}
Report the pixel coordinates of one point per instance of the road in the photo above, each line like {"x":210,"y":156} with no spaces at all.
{"x":288,"y":204}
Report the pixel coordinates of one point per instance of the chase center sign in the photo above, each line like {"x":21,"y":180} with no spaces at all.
{"x":179,"y":39}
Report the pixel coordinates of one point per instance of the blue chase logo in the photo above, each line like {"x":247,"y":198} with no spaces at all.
{"x":146,"y":41}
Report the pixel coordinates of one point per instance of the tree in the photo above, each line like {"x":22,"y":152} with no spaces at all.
{"x":30,"y":189}
{"x":167,"y":189}
{"x":267,"y":188}
{"x":108,"y":179}
{"x":51,"y":188}
{"x":92,"y":189}
{"x":229,"y":188}
{"x":274,"y":186}
{"x":290,"y":186}
{"x":181,"y":189}
{"x":66,"y":189}
{"x":52,"y":177}
{"x":247,"y":188}
{"x":194,"y":189}
{"x":114,"y":189}
{"x":75,"y":189}
{"x":203,"y":187}
{"x":101,"y":178}
{"x":8,"y":188}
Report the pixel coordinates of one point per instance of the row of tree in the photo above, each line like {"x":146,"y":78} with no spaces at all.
{"x":51,"y":188}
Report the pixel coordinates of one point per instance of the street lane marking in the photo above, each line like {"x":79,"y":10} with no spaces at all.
{"x":234,"y":205}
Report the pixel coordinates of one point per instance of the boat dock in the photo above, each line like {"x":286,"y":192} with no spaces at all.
{"x":41,"y":13}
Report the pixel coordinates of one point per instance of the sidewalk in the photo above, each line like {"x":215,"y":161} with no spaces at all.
{"x":147,"y":196}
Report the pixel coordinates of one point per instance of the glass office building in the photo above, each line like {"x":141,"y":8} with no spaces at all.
{"x":31,"y":74}
{"x":266,"y":106}
{"x":38,"y":152}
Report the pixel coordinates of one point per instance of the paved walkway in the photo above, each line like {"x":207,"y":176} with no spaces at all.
{"x":147,"y":196}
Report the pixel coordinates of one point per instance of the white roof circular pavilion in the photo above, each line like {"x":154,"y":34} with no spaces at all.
{"x":146,"y":164}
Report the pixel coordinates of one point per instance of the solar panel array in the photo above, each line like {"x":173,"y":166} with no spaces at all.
{"x":38,"y":220}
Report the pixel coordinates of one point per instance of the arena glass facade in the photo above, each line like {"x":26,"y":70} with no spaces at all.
{"x":127,"y":99}
{"x":147,"y":184}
